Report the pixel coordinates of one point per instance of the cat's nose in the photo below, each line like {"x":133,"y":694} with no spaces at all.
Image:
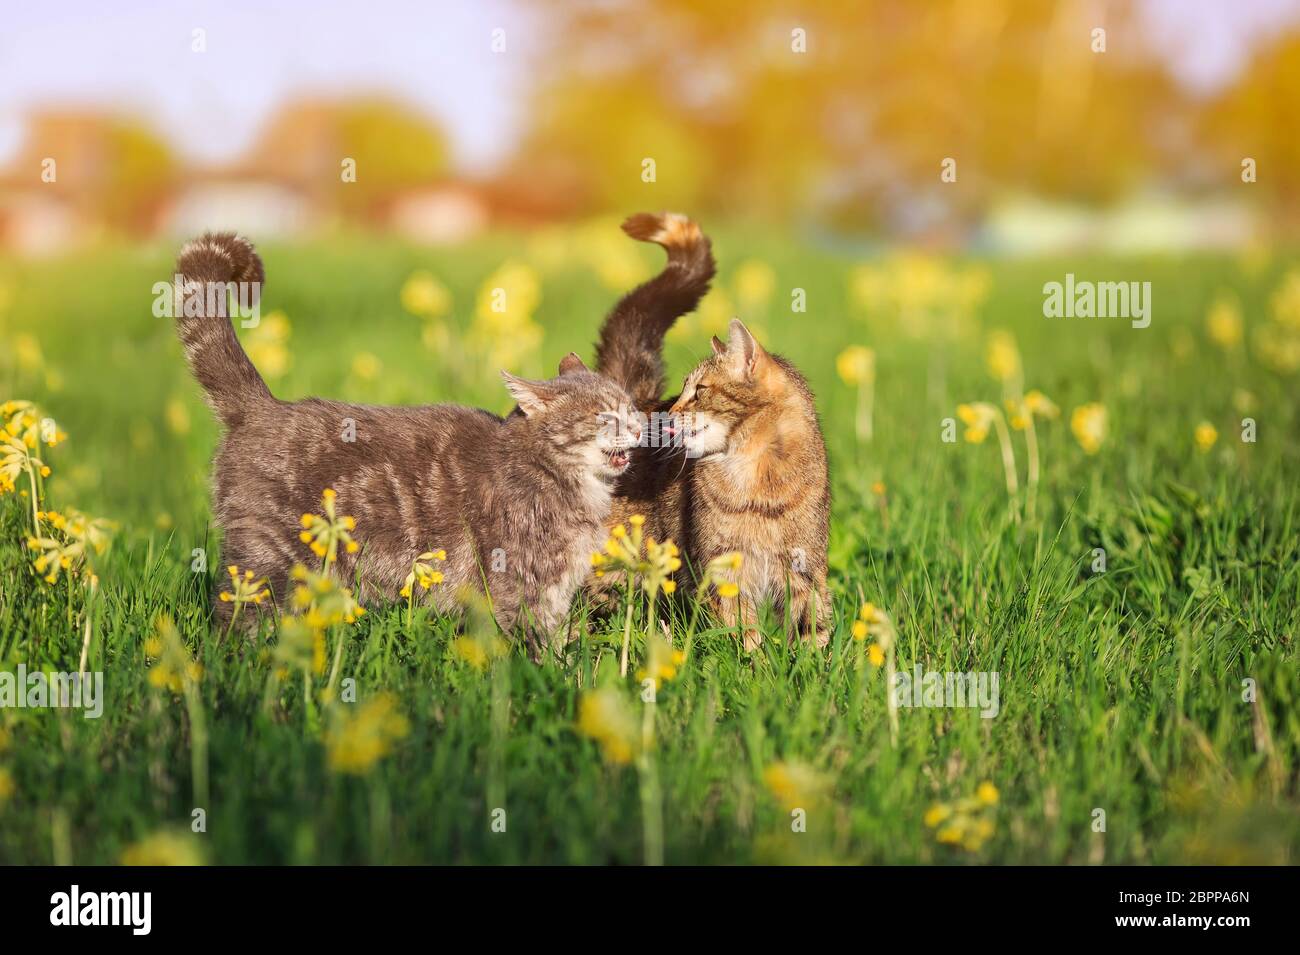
{"x":634,"y":431}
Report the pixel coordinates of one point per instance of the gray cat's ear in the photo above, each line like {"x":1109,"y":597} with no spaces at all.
{"x":532,"y":396}
{"x":571,"y":363}
{"x":718,"y":347}
{"x":743,"y":347}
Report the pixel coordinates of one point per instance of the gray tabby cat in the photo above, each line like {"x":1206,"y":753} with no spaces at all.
{"x":518,"y":504}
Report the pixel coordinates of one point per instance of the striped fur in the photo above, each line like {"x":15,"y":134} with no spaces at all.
{"x":630,"y":350}
{"x":230,"y":382}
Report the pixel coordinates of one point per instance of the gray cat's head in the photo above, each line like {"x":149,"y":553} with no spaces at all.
{"x":588,"y":419}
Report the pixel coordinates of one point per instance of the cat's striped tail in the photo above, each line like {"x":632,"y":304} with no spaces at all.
{"x":630,"y":349}
{"x":209,"y":270}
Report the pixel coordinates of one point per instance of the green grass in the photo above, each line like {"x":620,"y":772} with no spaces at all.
{"x":1120,"y":691}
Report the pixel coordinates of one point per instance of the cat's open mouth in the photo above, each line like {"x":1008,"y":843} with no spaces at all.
{"x":617,"y":459}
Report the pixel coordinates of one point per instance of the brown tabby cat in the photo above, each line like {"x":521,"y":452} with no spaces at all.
{"x":629,"y":352}
{"x":754,"y":478}
{"x":518,"y":504}
{"x":760,"y":483}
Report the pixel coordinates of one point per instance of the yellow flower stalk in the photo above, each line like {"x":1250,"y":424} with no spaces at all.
{"x":321,"y":599}
{"x":70,"y":539}
{"x":175,"y":671}
{"x":1023,"y":412}
{"x":300,"y":645}
{"x":979,"y":417}
{"x":639,"y":558}
{"x":424,"y":574}
{"x":244,"y":589}
{"x":872,"y":621}
{"x":319,"y":603}
{"x":1003,"y":360}
{"x":856,"y":367}
{"x":325,"y":533}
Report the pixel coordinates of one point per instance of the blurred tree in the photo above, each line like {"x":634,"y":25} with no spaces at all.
{"x":1257,"y":117}
{"x":113,"y":171}
{"x":860,"y":120}
{"x":394,"y":149}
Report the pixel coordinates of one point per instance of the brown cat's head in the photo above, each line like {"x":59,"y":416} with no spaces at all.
{"x":589,"y":420}
{"x":738,"y":384}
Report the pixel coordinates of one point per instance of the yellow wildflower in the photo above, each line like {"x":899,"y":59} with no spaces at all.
{"x":174,"y":669}
{"x":167,"y":848}
{"x":1033,"y":405}
{"x":794,"y":785}
{"x":604,"y":716}
{"x":479,"y":651}
{"x":244,"y":589}
{"x":268,"y":345}
{"x":1002,"y":357}
{"x":662,"y":661}
{"x":979,"y":417}
{"x":1223,"y":322}
{"x":1205,"y":436}
{"x":322,"y":600}
{"x":1088,"y":422}
{"x":754,"y":283}
{"x":423,"y":572}
{"x":72,"y":537}
{"x":325,"y":533}
{"x":425,"y":296}
{"x":360,"y":735}
{"x":856,"y":365}
{"x":639,"y":556}
{"x":937,"y":814}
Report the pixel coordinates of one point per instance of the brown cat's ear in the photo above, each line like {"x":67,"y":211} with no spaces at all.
{"x":571,"y":363}
{"x":744,"y":348}
{"x":532,"y":396}
{"x":718,"y":347}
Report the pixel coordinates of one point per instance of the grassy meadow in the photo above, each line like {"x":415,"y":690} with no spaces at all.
{"x":1155,"y":694}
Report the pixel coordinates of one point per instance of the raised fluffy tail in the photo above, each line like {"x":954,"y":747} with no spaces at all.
{"x":208,"y":270}
{"x":630,"y":349}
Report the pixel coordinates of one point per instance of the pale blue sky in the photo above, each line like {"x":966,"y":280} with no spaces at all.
{"x":135,"y":54}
